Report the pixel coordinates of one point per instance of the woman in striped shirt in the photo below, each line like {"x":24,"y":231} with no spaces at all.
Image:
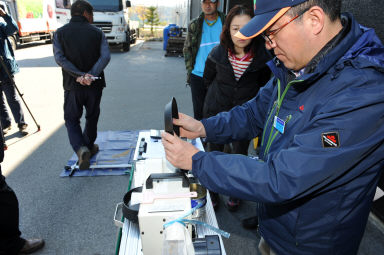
{"x":233,"y":74}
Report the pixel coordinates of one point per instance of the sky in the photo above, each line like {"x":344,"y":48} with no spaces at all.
{"x":155,"y":2}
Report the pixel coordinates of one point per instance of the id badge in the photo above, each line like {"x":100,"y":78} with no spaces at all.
{"x":279,"y":124}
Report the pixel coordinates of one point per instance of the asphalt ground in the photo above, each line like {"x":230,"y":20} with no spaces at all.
{"x":75,"y":215}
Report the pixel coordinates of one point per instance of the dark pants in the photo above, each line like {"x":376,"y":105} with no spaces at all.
{"x":13,"y":100}
{"x":74,"y":101}
{"x":198,"y":95}
{"x":10,"y":240}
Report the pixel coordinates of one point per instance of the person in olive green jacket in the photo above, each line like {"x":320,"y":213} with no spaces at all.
{"x":197,"y":46}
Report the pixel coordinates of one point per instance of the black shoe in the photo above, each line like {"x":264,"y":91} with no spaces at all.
{"x":84,"y":156}
{"x":6,"y":129}
{"x":250,"y":223}
{"x":31,"y":246}
{"x":23,"y":129}
{"x":94,"y":150}
{"x":215,"y":199}
{"x":233,"y":204}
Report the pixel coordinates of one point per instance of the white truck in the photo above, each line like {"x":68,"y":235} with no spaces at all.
{"x":110,"y":16}
{"x":35,"y":18}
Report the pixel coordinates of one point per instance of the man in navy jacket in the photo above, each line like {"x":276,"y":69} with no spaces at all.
{"x":321,"y":120}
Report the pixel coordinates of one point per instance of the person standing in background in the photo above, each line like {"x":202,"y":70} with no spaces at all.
{"x":8,"y":27}
{"x":82,"y":51}
{"x":203,"y":35}
{"x":234,"y":72}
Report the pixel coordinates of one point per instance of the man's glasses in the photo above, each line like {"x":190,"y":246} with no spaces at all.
{"x":266,"y":34}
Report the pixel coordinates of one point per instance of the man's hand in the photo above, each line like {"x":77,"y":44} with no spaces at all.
{"x":189,"y":127}
{"x":178,"y":152}
{"x":85,"y":80}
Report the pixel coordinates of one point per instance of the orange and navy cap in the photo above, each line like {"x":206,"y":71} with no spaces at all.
{"x":266,"y":13}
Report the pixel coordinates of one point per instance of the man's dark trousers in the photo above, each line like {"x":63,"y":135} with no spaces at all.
{"x":198,"y":95}
{"x":14,"y":103}
{"x":10,"y":240}
{"x":74,"y":101}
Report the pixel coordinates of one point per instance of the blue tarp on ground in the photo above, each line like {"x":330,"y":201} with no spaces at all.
{"x":115,"y":148}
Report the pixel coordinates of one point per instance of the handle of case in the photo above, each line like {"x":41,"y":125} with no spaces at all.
{"x":166,"y":176}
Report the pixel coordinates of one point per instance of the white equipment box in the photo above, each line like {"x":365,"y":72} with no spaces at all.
{"x":156,"y":212}
{"x":152,"y":216}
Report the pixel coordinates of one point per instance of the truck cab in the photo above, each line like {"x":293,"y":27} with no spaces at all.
{"x":110,"y":16}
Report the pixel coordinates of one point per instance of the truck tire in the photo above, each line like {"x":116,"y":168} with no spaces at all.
{"x":132,"y":36}
{"x":12,"y":40}
{"x":50,"y":39}
{"x":126,"y":46}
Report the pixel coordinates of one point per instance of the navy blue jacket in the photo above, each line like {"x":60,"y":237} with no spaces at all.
{"x":316,"y":181}
{"x":7,"y":27}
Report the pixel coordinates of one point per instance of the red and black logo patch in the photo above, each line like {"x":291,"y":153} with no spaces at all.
{"x":330,"y":140}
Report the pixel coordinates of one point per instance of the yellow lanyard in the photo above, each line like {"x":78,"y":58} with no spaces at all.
{"x":213,"y":23}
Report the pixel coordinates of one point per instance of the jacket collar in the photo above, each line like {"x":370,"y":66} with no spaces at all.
{"x":221,"y":15}
{"x":329,"y":46}
{"x":78,"y":19}
{"x":331,"y":53}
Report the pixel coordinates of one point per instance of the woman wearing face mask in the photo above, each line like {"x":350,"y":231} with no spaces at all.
{"x":234,"y":72}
